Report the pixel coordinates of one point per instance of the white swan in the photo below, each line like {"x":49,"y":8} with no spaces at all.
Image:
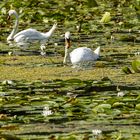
{"x":26,"y":37}
{"x":79,"y":56}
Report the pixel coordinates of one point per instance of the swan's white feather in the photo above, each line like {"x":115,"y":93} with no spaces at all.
{"x":82,"y":55}
{"x":29,"y":35}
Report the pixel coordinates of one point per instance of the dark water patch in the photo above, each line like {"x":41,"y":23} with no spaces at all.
{"x":26,"y":53}
{"x":4,"y":52}
{"x":109,"y":88}
{"x":122,"y":55}
{"x":10,"y":137}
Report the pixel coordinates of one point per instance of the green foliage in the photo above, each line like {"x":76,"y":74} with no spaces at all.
{"x":35,"y":11}
{"x":136,"y":65}
{"x":126,"y":70}
{"x":22,"y":110}
{"x":137,"y":5}
{"x":102,"y":108}
{"x":92,"y":3}
{"x":106,"y":17}
{"x":137,"y":106}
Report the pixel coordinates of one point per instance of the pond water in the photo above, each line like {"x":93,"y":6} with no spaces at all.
{"x":68,"y":105}
{"x":77,"y":107}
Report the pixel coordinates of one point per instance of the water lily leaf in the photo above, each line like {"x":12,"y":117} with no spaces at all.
{"x":138,"y":107}
{"x":8,"y":82}
{"x":10,"y":127}
{"x":116,"y":112}
{"x":136,"y":65}
{"x":137,"y":5}
{"x":118,"y":104}
{"x":73,"y":81}
{"x":126,"y":70}
{"x":102,"y":108}
{"x":105,"y":106}
{"x":92,"y":3}
{"x":106,"y":17}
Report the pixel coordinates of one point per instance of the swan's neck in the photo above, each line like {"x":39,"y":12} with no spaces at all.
{"x":15,"y":28}
{"x":67,"y":46}
{"x":50,"y":32}
{"x":66,"y":55}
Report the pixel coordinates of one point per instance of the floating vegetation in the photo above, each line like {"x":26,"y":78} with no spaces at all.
{"x":106,"y":17}
{"x":40,"y":98}
{"x":40,"y":105}
{"x":126,"y":70}
{"x":135,"y":66}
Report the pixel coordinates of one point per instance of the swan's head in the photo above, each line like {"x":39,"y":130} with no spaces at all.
{"x":67,"y":39}
{"x":12,"y":12}
{"x":55,"y":25}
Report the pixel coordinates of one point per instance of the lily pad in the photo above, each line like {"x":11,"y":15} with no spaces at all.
{"x":106,"y":17}
{"x":126,"y":70}
{"x":136,"y":66}
{"x":138,"y":107}
{"x":102,"y":108}
{"x":118,"y":104}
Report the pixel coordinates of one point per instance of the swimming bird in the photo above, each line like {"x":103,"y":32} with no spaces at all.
{"x":26,"y":37}
{"x":79,"y":56}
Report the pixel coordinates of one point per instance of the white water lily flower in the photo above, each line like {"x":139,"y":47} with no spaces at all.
{"x":106,"y":17}
{"x":42,"y":47}
{"x":8,"y":82}
{"x":55,"y":44}
{"x":120,"y":94}
{"x":69,"y":94}
{"x":43,"y":53}
{"x":137,"y":53}
{"x":96,"y":132}
{"x":10,"y":53}
{"x":71,"y":9}
{"x":46,"y":111}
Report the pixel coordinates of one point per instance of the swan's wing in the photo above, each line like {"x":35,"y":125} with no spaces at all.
{"x":82,"y":54}
{"x":27,"y":32}
{"x":28,"y":35}
{"x":89,"y":55}
{"x":97,"y":51}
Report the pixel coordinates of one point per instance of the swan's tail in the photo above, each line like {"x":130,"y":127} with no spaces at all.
{"x":97,"y":51}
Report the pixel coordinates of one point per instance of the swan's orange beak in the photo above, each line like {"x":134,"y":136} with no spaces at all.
{"x":68,"y":42}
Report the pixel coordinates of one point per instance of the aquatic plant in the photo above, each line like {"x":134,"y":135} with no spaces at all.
{"x":135,"y":66}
